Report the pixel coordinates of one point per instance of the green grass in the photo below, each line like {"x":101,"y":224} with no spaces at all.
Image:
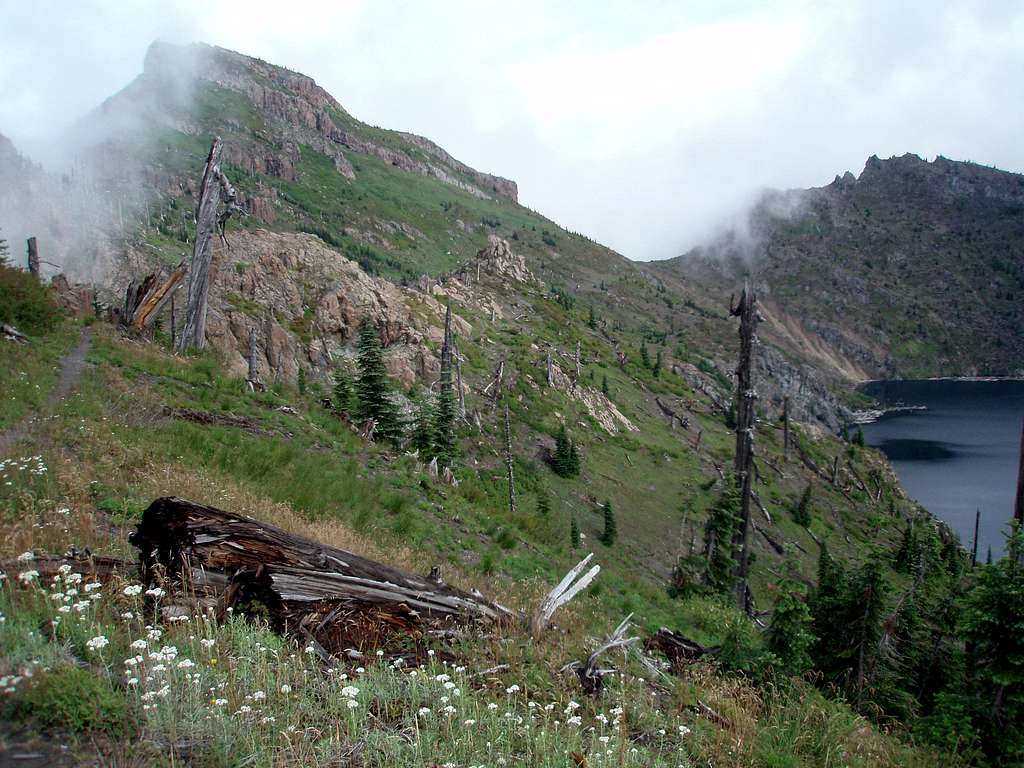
{"x":29,"y":371}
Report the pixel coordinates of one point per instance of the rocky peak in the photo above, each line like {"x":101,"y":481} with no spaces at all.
{"x":499,"y":260}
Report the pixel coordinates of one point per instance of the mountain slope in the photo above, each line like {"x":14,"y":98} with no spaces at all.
{"x":912,"y":269}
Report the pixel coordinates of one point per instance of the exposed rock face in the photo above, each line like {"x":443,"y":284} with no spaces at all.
{"x":498,"y":260}
{"x":306,"y":302}
{"x":601,"y":409}
{"x":914,"y":268}
{"x":304,"y":113}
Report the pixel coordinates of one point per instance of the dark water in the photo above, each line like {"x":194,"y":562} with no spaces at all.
{"x":959,"y":455}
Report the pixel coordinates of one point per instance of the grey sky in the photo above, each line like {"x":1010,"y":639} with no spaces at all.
{"x":646,"y":125}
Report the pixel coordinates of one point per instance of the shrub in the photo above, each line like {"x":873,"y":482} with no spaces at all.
{"x":73,"y":699}
{"x":24,"y":303}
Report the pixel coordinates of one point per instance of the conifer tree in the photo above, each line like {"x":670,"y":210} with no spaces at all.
{"x":992,"y":624}
{"x":858,"y":437}
{"x":372,"y":389}
{"x":343,"y":394}
{"x":566,"y":460}
{"x":645,"y":356}
{"x":802,"y":510}
{"x":656,"y":370}
{"x":422,"y":437}
{"x":592,"y":318}
{"x":908,"y":554}
{"x":789,"y":636}
{"x":723,"y":519}
{"x":604,"y":385}
{"x":301,"y":380}
{"x":543,"y":502}
{"x":610,"y":532}
{"x":574,"y":532}
{"x":445,"y":444}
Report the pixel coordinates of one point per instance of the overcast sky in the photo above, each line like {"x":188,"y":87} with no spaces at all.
{"x":646,"y":125}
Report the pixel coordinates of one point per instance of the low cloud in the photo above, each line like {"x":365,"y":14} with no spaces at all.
{"x":645,"y":126}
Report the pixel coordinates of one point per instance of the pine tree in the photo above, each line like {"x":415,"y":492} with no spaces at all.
{"x":592,"y":318}
{"x":991,"y":623}
{"x":422,"y":438}
{"x":566,"y":460}
{"x":445,"y":444}
{"x":604,"y":385}
{"x":645,"y":356}
{"x":858,"y":437}
{"x":610,"y":532}
{"x":372,"y":389}
{"x":723,"y":518}
{"x":301,"y":380}
{"x":802,"y":511}
{"x":908,"y":555}
{"x":656,"y":370}
{"x":343,"y":394}
{"x":789,"y":636}
{"x":574,"y":532}
{"x":543,"y":502}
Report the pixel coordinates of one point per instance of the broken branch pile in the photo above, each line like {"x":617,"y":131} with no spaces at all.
{"x":333,"y":599}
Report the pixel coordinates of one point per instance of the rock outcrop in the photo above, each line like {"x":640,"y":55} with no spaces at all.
{"x":306,"y":302}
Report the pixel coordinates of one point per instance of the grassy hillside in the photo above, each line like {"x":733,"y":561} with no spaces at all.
{"x":108,"y":449}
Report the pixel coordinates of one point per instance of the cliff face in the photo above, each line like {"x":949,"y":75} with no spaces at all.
{"x":914,"y":268}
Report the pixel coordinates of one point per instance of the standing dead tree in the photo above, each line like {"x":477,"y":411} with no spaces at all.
{"x":493,"y":388}
{"x":33,"y":257}
{"x":746,"y":311}
{"x":785,"y":427}
{"x":458,"y":382}
{"x":1018,"y":506}
{"x":252,"y":378}
{"x":512,"y":506}
{"x":214,"y":190}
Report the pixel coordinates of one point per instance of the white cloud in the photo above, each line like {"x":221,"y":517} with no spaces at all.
{"x":644,"y":125}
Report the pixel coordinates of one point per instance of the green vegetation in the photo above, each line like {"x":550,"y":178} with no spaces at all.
{"x":372,"y":388}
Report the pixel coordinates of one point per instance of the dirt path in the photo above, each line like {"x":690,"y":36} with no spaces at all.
{"x":71,"y":366}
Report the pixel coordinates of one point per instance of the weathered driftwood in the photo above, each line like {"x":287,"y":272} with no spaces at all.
{"x":327,"y":597}
{"x":562,"y":593}
{"x":590,"y":675}
{"x":676,"y":647}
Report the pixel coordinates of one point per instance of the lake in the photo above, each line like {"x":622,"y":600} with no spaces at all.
{"x":959,"y":454}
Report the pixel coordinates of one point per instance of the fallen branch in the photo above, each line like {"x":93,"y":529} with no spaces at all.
{"x":677,"y":648}
{"x":589,"y":674}
{"x":11,"y":333}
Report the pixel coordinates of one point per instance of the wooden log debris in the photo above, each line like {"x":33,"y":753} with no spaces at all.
{"x":562,"y":593}
{"x":144,"y":300}
{"x":677,"y":648}
{"x":590,"y":675}
{"x":11,"y":333}
{"x":330,"y":598}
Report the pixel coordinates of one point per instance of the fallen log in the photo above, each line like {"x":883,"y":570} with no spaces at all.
{"x":327,"y":597}
{"x":144,"y":301}
{"x":590,"y":675}
{"x":246,"y":423}
{"x":676,"y":647}
{"x":11,"y":333}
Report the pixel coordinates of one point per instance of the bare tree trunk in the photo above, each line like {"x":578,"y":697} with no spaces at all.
{"x":151,"y":298}
{"x":174,"y":323}
{"x":512,"y":506}
{"x":33,"y":257}
{"x":458,"y":381}
{"x":746,"y":310}
{"x":550,"y":378}
{"x":579,"y":370}
{"x":215,"y":188}
{"x":1018,"y":507}
{"x":974,"y":546}
{"x":785,"y":427}
{"x":252,"y":379}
